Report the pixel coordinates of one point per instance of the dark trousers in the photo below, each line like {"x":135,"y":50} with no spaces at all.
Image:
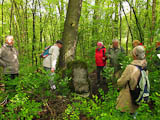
{"x":10,"y":84}
{"x":99,"y":70}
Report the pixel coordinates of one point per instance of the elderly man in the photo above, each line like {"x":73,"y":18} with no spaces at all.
{"x":9,"y":62}
{"x":115,"y":53}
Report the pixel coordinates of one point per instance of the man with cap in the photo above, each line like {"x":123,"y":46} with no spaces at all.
{"x":49,"y":63}
{"x":100,"y":59}
{"x":9,"y":62}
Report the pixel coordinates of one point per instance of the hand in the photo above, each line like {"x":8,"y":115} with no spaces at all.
{"x":52,"y":70}
{"x":104,"y":58}
{"x":118,"y":89}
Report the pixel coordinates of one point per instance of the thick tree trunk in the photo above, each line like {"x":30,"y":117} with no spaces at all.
{"x":70,"y":32}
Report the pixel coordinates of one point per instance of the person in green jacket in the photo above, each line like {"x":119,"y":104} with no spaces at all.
{"x":115,"y":54}
{"x":10,"y":63}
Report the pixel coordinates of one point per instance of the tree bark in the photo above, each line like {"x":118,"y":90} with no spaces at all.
{"x":70,"y":33}
{"x":2,"y":23}
{"x":34,"y":34}
{"x":61,"y":13}
{"x":120,"y":23}
{"x":116,"y":20}
{"x":95,"y":22}
{"x":11,"y":18}
{"x":26,"y":27}
{"x":153,"y":20}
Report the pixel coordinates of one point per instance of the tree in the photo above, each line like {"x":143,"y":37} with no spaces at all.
{"x":70,"y":34}
{"x":2,"y":21}
{"x":153,"y":20}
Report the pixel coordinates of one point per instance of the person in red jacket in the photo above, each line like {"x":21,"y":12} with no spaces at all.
{"x":100,"y":59}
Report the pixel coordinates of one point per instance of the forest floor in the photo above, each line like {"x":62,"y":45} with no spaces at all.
{"x":55,"y":108}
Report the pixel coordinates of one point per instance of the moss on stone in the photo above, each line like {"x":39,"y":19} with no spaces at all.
{"x":77,"y":64}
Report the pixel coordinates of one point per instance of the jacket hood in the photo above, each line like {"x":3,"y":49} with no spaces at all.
{"x":142,"y":63}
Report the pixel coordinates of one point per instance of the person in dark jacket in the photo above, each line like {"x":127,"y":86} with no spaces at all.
{"x":100,"y":59}
{"x":115,"y":54}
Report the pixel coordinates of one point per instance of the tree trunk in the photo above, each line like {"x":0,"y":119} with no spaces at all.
{"x":2,"y":23}
{"x":127,"y":23}
{"x":153,"y":20}
{"x":61,"y":13}
{"x":116,"y":21}
{"x":120,"y":23}
{"x":34,"y":34}
{"x":70,"y":33}
{"x":26,"y":27}
{"x":11,"y":18}
{"x":127,"y":42}
{"x":137,"y":23}
{"x":95,"y":22}
{"x":41,"y":29}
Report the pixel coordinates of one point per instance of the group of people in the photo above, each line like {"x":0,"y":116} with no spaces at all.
{"x":114,"y":54}
{"x":10,"y":63}
{"x":127,"y":80}
{"x":130,"y":77}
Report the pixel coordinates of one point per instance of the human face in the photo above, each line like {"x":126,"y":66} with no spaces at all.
{"x":60,"y":45}
{"x":135,"y":44}
{"x":99,"y":46}
{"x":115,"y":44}
{"x":10,"y":41}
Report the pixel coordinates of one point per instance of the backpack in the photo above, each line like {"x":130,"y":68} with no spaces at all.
{"x":141,"y":92}
{"x":45,"y":52}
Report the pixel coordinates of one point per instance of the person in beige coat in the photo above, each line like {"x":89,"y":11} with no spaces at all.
{"x":10,"y":63}
{"x":130,"y":77}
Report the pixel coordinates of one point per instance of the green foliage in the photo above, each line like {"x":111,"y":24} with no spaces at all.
{"x":62,"y":85}
{"x":21,"y":107}
{"x":97,"y":108}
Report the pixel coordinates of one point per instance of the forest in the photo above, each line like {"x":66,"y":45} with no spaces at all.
{"x":79,"y":24}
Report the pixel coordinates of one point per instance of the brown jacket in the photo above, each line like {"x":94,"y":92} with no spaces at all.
{"x":130,"y":75}
{"x":9,"y":60}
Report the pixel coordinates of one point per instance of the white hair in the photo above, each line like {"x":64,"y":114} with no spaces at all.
{"x":115,"y":40}
{"x":139,"y":52}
